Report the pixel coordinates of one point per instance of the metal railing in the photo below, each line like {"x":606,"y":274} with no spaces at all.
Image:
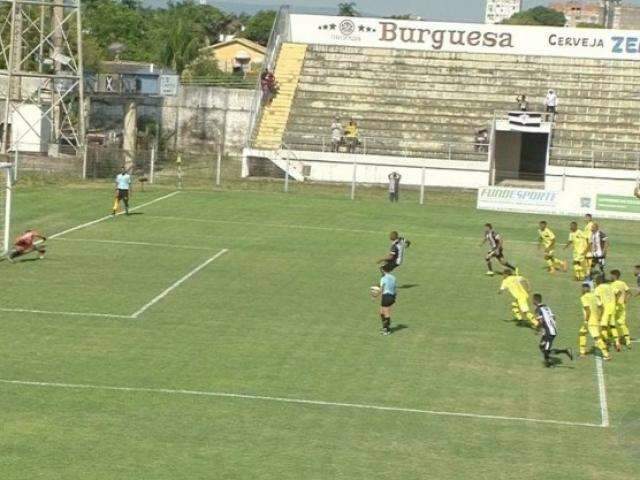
{"x":367,"y":145}
{"x":279,"y":34}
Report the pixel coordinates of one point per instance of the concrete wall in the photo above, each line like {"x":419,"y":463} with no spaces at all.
{"x":193,"y":120}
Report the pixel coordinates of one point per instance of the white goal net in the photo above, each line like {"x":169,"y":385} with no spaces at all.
{"x":5,"y":207}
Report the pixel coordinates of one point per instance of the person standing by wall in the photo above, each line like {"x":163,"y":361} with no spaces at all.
{"x":394,"y":186}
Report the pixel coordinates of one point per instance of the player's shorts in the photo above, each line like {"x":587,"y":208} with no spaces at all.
{"x":608,"y":317}
{"x":387,"y":300}
{"x":123,"y":194}
{"x":593,"y":328}
{"x":579,"y":258}
{"x":601,"y":261}
{"x":390,"y":266}
{"x":546,"y":342}
{"x":496,"y":253}
{"x":22,"y":246}
{"x":523,"y":304}
{"x":549,"y":252}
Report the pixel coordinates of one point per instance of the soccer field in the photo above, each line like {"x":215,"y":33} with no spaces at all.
{"x":230,"y":335}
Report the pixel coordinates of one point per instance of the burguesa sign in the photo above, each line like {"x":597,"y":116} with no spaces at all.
{"x":466,"y":37}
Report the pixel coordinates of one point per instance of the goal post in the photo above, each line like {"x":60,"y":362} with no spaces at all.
{"x":6,"y":186}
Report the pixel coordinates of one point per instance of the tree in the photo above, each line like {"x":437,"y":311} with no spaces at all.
{"x":538,"y":16}
{"x":181,"y":46}
{"x":348,"y":9}
{"x":258,"y":28}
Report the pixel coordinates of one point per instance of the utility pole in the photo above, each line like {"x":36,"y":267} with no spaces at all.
{"x":41,"y":63}
{"x":608,"y":9}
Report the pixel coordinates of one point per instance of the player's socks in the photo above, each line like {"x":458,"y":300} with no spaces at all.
{"x":387,"y":325}
{"x":515,"y":311}
{"x":582,"y":341}
{"x":600,"y":343}
{"x":532,"y":319}
{"x":512,"y":267}
{"x":564,"y":351}
{"x":626,"y":335}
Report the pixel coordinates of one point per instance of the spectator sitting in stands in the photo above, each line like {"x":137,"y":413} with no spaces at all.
{"x":351,"y":135}
{"x":337,"y":134}
{"x":523,"y":104}
{"x":551,"y":103}
{"x":481,"y":141}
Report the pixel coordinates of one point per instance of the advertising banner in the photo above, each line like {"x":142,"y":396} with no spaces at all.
{"x":466,"y":37}
{"x":508,"y":199}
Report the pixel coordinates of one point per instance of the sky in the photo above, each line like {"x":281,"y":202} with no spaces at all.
{"x":446,"y":10}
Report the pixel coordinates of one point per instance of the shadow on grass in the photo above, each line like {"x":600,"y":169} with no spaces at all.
{"x":407,"y":286}
{"x":399,"y":328}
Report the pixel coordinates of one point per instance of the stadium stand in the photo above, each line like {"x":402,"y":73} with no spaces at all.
{"x":423,"y":104}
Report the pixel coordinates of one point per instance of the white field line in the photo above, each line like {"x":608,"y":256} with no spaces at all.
{"x":602,"y":393}
{"x":297,"y":401}
{"x":72,"y":314}
{"x":176,"y":284}
{"x":93,"y":222}
{"x":310,"y":227}
{"x":142,"y":244}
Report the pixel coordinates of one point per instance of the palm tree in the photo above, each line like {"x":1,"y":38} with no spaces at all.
{"x":181,"y":47}
{"x":347,"y":9}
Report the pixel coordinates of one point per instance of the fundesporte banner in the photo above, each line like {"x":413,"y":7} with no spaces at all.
{"x":466,"y":37}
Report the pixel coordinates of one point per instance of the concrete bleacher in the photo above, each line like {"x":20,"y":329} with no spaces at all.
{"x":430,"y":104}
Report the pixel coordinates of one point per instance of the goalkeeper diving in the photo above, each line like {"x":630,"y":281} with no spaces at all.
{"x":30,"y":241}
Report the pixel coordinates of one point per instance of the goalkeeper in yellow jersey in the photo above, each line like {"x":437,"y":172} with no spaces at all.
{"x":547,"y":241}
{"x":580,"y":243}
{"x":623,"y":293}
{"x":607,"y":301}
{"x":591,"y":325}
{"x":519,"y":289}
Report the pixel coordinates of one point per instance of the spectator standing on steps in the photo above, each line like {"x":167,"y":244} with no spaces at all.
{"x":394,"y":186}
{"x":336,"y":134}
{"x":351,"y":135}
{"x":523,"y":104}
{"x":551,"y":104}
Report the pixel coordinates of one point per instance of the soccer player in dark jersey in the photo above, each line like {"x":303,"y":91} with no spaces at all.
{"x":549,"y":331}
{"x":494,"y":239}
{"x":395,"y":257}
{"x":26,"y":243}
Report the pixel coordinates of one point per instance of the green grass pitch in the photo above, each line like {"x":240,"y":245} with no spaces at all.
{"x":460,"y":393}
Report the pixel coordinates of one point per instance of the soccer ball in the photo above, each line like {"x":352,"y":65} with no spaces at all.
{"x":375,"y":291}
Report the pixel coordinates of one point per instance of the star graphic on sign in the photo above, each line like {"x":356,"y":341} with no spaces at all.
{"x":369,"y":29}
{"x":361,"y":28}
{"x":332,"y":26}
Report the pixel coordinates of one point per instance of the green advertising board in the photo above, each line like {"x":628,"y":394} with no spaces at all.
{"x":616,"y":203}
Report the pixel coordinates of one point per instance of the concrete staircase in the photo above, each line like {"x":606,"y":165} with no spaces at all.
{"x":275,"y":116}
{"x":430,"y":104}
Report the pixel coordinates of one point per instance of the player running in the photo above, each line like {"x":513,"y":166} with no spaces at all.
{"x":591,"y":324}
{"x":547,"y":320}
{"x":27,"y":243}
{"x":388,"y":289}
{"x":395,"y":257}
{"x":123,"y":190}
{"x":547,"y":240}
{"x":598,"y":248}
{"x":623,"y":293}
{"x":580,"y":243}
{"x":519,"y":289}
{"x":496,"y":246}
{"x":607,"y":301}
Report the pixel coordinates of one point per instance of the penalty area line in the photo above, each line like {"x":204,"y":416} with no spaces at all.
{"x":106,"y":217}
{"x":133,"y":243}
{"x":177,"y":283}
{"x":68,"y":314}
{"x":296,"y":401}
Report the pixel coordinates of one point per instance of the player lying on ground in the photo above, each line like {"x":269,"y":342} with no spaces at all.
{"x":395,"y":257}
{"x":549,"y":331}
{"x":547,"y":240}
{"x":26,"y":243}
{"x":519,"y":288}
{"x":496,"y":246}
